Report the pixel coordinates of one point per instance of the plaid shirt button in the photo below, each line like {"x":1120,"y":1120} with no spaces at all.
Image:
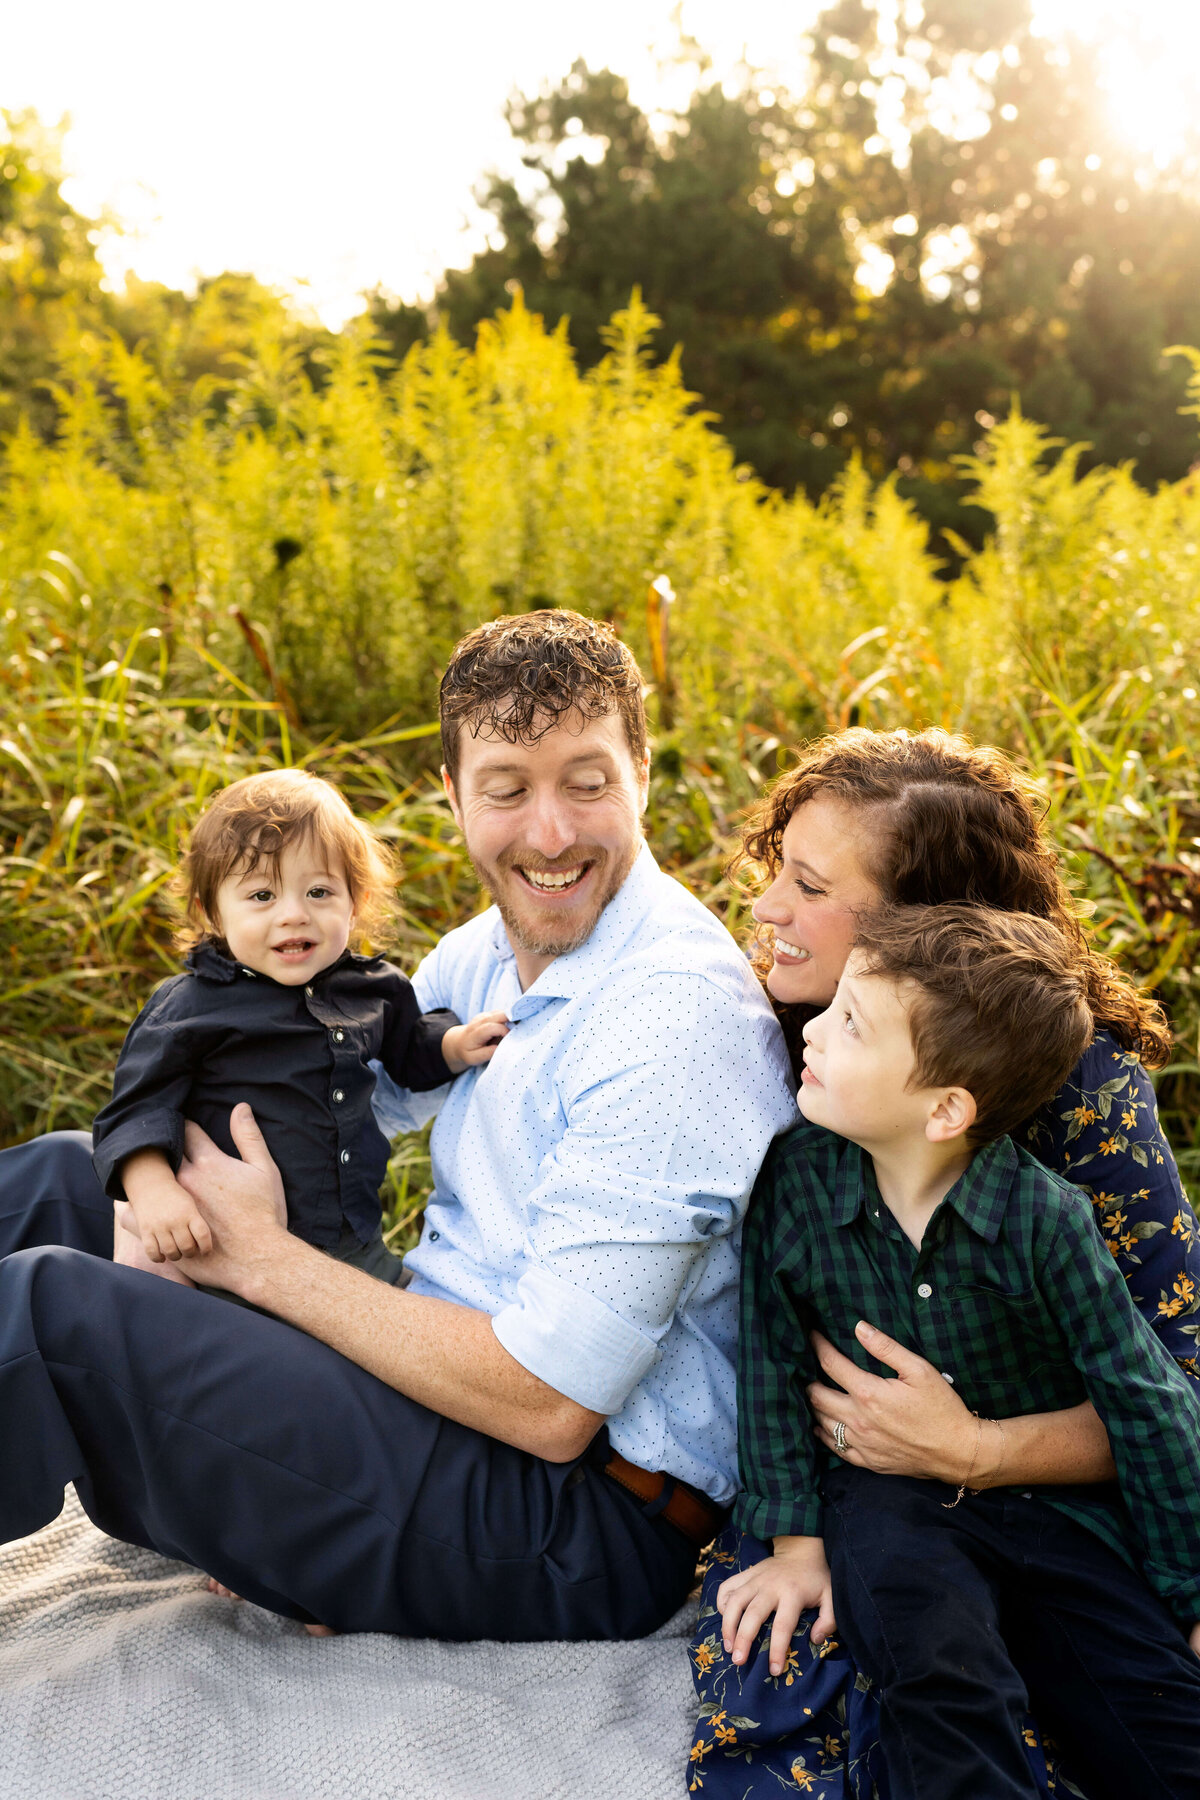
{"x":925,"y":1290}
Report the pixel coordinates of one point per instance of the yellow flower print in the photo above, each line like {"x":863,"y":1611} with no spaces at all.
{"x":1103,"y":1199}
{"x":704,"y":1658}
{"x":1083,"y":1115}
{"x":1182,"y":1227}
{"x":1109,"y":1146}
{"x":827,"y":1649}
{"x":1115,"y":1220}
{"x":804,"y":1778}
{"x":1129,"y":1115}
{"x":791,"y":1668}
{"x":1185,"y":1287}
{"x":722,"y":1733}
{"x":1030,"y":1737}
{"x":831,"y":1749}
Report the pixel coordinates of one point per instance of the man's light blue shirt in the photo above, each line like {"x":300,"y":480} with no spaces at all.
{"x":590,"y":1181}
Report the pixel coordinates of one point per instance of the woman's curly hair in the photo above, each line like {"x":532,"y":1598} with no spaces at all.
{"x":955,"y":822}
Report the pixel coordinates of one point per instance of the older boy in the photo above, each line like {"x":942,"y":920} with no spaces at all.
{"x":902,"y":1200}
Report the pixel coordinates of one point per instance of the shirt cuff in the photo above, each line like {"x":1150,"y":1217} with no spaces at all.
{"x":158,"y":1130}
{"x":801,"y":1516}
{"x":573,"y":1342}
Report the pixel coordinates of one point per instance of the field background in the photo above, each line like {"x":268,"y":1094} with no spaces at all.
{"x":206,"y":574}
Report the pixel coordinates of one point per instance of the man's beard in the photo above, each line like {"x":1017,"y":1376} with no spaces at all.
{"x":542,"y":937}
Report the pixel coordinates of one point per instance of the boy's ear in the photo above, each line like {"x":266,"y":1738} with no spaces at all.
{"x":953,"y":1115}
{"x":451,"y":796}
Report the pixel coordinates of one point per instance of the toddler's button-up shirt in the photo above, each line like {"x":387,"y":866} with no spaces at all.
{"x":300,"y":1056}
{"x":590,"y":1180}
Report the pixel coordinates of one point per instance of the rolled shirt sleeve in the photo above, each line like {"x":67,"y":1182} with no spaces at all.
{"x":664,"y":1133}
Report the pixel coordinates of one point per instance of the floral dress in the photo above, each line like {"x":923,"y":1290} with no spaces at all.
{"x":814,"y":1729}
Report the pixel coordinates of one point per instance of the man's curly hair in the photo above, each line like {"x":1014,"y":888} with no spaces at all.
{"x":518,"y":677}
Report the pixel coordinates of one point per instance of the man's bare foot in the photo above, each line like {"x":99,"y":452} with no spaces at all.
{"x":215,"y":1587}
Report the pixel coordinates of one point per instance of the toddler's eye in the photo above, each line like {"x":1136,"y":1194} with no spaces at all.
{"x":262,"y":894}
{"x":318,"y":893}
{"x":849,"y":1025}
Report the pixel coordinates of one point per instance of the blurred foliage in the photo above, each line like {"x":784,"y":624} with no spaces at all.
{"x":207,"y":574}
{"x":967,"y":165}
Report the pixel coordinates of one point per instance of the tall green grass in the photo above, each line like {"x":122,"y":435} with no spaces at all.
{"x":197,"y":580}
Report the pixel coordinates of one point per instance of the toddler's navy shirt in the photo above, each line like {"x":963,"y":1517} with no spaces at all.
{"x":221,"y":1033}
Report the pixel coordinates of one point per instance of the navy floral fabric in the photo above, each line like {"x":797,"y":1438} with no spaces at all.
{"x":814,"y":1729}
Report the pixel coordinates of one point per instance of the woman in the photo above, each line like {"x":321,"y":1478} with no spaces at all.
{"x":927,"y":819}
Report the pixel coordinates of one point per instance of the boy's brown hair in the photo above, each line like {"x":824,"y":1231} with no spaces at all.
{"x":518,"y":677}
{"x":255,"y":820}
{"x":1000,"y":1007}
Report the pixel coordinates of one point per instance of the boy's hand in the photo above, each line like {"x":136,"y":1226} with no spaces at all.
{"x":786,"y":1584}
{"x":464,"y":1046}
{"x":170,"y":1226}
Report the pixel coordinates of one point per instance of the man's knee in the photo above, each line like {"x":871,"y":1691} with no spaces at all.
{"x":49,"y":1194}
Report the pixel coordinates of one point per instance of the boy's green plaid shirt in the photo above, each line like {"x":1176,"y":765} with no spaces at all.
{"x":1012,"y":1296}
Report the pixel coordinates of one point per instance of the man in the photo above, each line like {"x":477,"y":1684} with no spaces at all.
{"x":531,"y":1439}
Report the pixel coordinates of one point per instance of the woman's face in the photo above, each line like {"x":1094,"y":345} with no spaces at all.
{"x":814,"y":901}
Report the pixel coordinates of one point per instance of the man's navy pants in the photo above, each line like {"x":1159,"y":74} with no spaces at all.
{"x":968,"y":1616}
{"x":233,"y":1442}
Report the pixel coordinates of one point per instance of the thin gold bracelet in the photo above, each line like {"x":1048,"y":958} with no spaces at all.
{"x":947,"y":1505}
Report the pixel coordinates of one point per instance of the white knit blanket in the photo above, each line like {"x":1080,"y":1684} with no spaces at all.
{"x":121,"y":1678}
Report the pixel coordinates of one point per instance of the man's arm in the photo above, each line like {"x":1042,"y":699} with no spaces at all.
{"x":445,"y":1356}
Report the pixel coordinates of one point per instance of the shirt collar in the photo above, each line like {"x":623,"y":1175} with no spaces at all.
{"x":578,"y":971}
{"x":214,"y":964}
{"x":979,"y":1196}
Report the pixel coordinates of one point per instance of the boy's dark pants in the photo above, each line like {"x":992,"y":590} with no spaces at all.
{"x":962,"y":1615}
{"x":233,"y":1442}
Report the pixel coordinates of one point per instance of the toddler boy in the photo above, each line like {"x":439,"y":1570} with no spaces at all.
{"x":902,"y":1201}
{"x":277,"y":1010}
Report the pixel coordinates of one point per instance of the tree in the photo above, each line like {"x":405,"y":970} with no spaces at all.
{"x":877,"y":264}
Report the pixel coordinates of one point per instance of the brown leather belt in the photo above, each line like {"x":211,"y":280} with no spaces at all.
{"x":690,"y":1511}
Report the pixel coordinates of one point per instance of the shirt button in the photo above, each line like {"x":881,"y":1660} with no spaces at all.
{"x":924,"y":1290}
{"x":947,"y":1376}
{"x":338,"y":1036}
{"x":434,"y":1236}
{"x":338,"y":1096}
{"x":308,"y":991}
{"x":345,"y":1156}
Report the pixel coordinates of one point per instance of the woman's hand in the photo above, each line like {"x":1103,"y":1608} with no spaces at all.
{"x":914,"y":1426}
{"x":793,"y":1579}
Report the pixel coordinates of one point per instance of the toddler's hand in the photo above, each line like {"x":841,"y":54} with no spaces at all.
{"x":170,"y":1225}
{"x":464,"y":1046}
{"x":795,"y":1577}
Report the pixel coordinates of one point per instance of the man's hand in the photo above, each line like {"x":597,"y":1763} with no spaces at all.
{"x":793,"y":1579}
{"x":242,"y":1202}
{"x":914,"y":1426}
{"x":464,"y":1046}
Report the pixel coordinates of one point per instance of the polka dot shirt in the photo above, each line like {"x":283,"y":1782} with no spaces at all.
{"x":591,"y":1179}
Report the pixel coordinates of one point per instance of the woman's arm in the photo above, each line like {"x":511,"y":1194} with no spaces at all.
{"x":917,"y":1425}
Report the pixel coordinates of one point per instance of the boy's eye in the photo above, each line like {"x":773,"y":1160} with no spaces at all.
{"x":849,"y":1024}
{"x":262,"y":894}
{"x":318,"y":893}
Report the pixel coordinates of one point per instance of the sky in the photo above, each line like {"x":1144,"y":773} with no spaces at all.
{"x":333,"y":148}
